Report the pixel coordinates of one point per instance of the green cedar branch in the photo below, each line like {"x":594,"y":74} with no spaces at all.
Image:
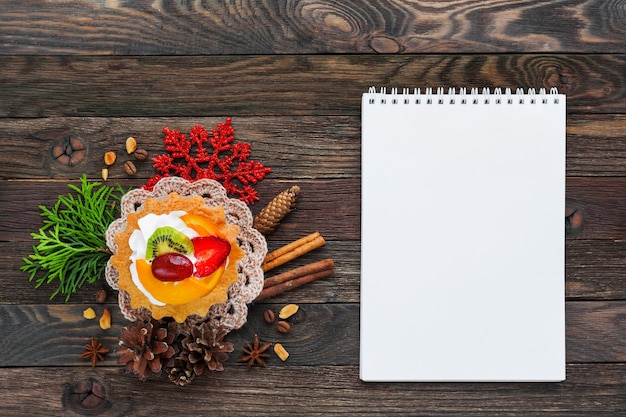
{"x":72,"y":247}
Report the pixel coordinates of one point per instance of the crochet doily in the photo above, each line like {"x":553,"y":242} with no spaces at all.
{"x":232,"y":314}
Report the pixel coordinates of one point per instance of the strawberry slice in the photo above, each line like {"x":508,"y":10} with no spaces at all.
{"x":211,"y":252}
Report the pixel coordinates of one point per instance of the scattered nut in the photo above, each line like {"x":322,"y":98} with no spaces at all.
{"x":109,"y":158}
{"x":105,"y":320}
{"x":105,"y":174}
{"x":130,"y":168}
{"x":89,"y":314}
{"x":131,"y":145}
{"x":140,"y":154}
{"x":269,"y":316}
{"x":288,"y":311}
{"x":281,"y":352}
{"x":101,"y":296}
{"x":283,"y":327}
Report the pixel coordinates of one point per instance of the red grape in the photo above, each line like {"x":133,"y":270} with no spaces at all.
{"x":172,"y":266}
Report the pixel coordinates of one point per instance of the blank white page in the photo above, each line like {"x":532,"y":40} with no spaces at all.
{"x":462,"y":241}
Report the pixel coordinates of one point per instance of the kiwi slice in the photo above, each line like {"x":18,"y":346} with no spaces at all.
{"x":166,"y":239}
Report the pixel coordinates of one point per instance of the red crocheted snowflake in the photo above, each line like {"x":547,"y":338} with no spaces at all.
{"x":225,"y":161}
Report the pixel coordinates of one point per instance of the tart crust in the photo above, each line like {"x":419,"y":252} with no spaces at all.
{"x":195,"y":205}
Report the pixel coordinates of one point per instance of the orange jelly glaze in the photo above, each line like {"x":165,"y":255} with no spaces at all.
{"x":188,"y":289}
{"x":176,"y":292}
{"x":200,"y":224}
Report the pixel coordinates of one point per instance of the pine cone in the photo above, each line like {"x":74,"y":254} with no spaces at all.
{"x":181,"y":373}
{"x":146,"y":347}
{"x":268,"y":219}
{"x":204,"y":349}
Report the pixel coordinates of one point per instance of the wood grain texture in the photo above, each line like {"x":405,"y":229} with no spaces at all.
{"x":594,"y":270}
{"x":342,"y":286}
{"x":601,"y":204}
{"x":310,"y":27}
{"x":55,"y":335}
{"x":296,"y":148}
{"x":48,"y":86}
{"x":599,"y":322}
{"x":594,"y":259}
{"x":328,"y":391}
{"x":322,"y":334}
{"x":291,"y":75}
{"x":340,"y":196}
{"x":598,"y":199}
{"x":595,"y":145}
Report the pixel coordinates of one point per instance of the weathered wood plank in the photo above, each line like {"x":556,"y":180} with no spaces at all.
{"x":322,"y":334}
{"x":200,"y":86}
{"x":55,"y":335}
{"x":588,"y":323}
{"x":295,"y":147}
{"x":311,"y":138}
{"x":318,"y":391}
{"x":600,"y":203}
{"x":331,"y":207}
{"x":598,"y":200}
{"x":594,"y":269}
{"x":342,"y":286}
{"x":596,"y":145}
{"x":267,"y":27}
{"x":594,"y":264}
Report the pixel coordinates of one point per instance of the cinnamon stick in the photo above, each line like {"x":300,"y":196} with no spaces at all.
{"x":292,"y":250}
{"x":296,"y":278}
{"x":299,"y":272}
{"x":291,"y":246}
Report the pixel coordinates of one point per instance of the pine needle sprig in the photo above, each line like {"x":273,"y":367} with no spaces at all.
{"x":72,"y":245}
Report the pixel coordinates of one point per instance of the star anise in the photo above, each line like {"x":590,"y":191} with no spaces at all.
{"x":255,"y":352}
{"x":94,"y":351}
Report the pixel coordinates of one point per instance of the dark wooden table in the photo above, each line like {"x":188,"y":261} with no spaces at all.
{"x":291,"y":74}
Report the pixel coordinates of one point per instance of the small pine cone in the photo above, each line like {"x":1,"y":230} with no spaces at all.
{"x":268,"y":219}
{"x":172,"y":339}
{"x":181,"y":373}
{"x":145,"y":348}
{"x":204,"y":348}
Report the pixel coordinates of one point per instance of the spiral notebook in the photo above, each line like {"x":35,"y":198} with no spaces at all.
{"x":462,"y":242}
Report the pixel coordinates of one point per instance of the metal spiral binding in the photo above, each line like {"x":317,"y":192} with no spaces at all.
{"x":475,"y":95}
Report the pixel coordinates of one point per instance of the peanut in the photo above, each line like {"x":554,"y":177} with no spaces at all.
{"x":109,"y":158}
{"x":281,"y":352}
{"x":105,"y":320}
{"x":288,"y":311}
{"x":89,"y":314}
{"x":131,"y":145}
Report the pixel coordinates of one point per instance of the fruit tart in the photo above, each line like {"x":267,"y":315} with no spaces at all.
{"x":184,"y":250}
